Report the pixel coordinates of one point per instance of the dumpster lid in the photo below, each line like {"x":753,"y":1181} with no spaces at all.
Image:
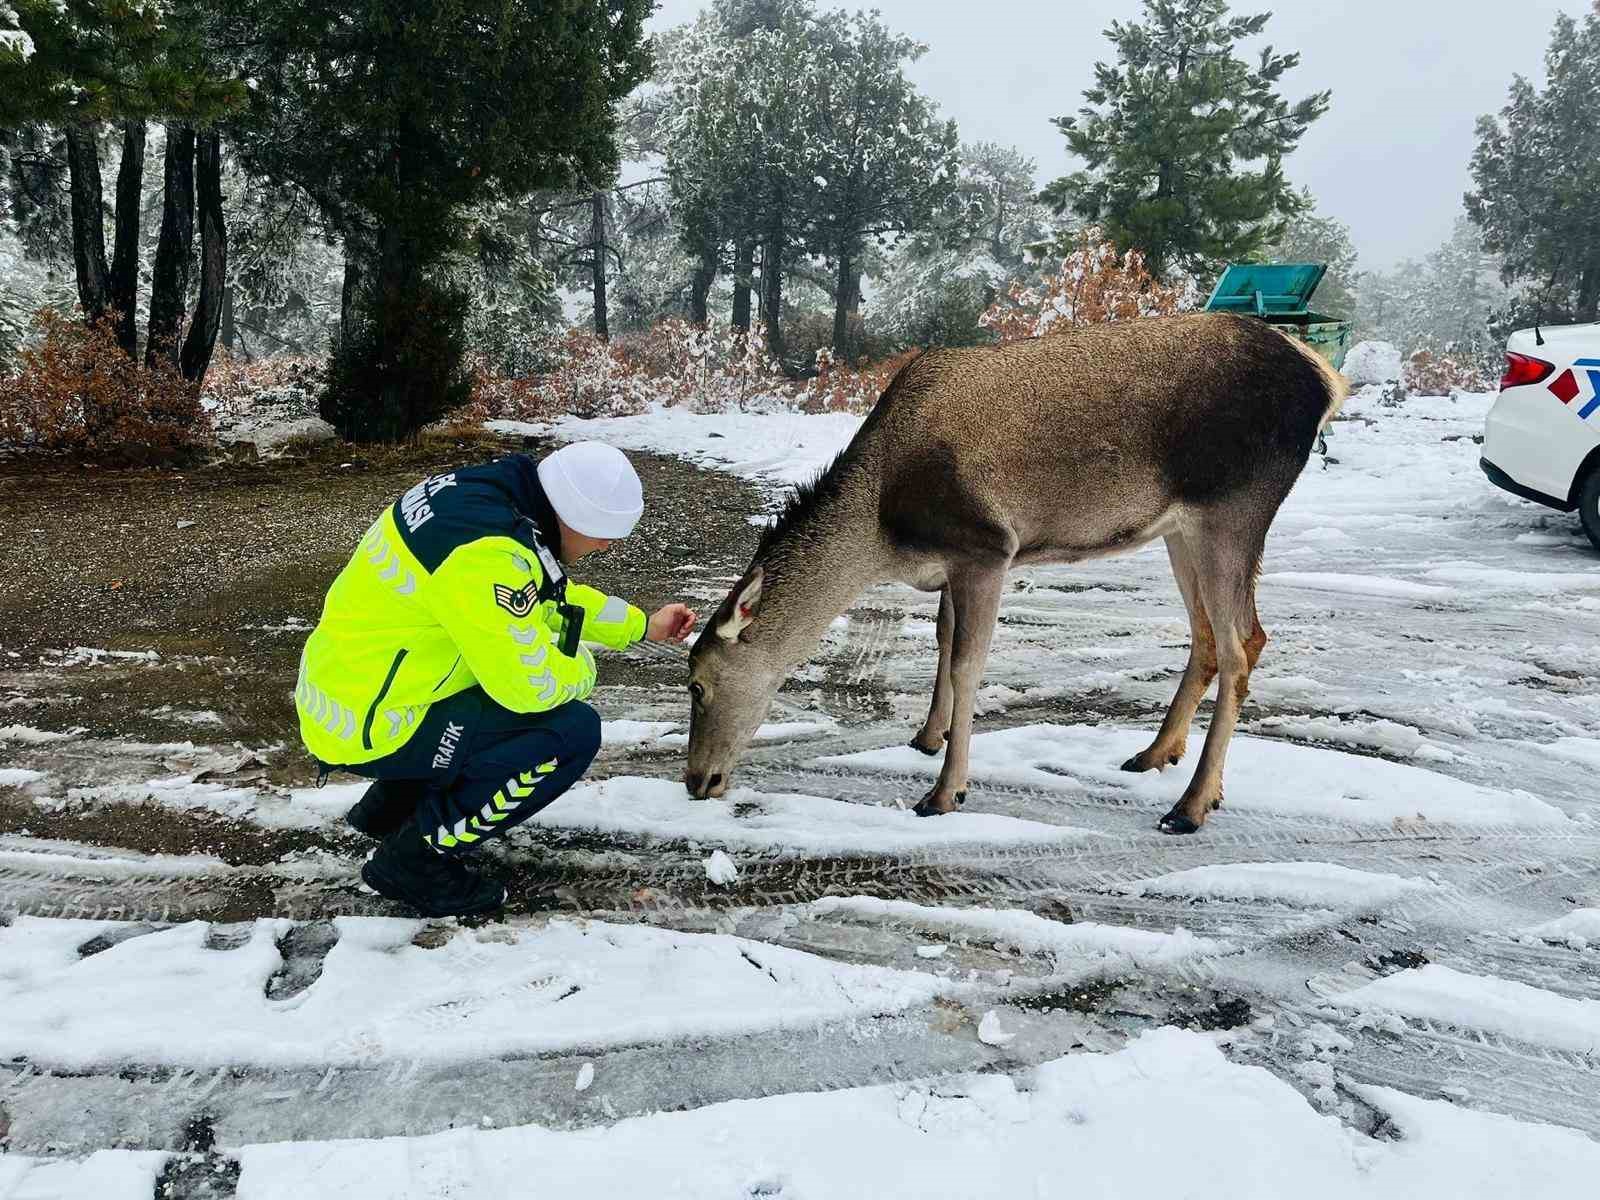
{"x":1267,"y":288}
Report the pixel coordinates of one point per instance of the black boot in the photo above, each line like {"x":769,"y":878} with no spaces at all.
{"x":385,"y":806}
{"x":407,"y":869}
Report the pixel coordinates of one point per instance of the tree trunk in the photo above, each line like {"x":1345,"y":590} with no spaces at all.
{"x":743,"y":269}
{"x":229,"y":332}
{"x":350,"y":299}
{"x":597,"y":237}
{"x":169,"y":277}
{"x":202,"y":339}
{"x":124,"y":282}
{"x":772,"y":292}
{"x":843,"y":306}
{"x":349,"y":402}
{"x":1588,"y":295}
{"x":705,"y":274}
{"x":88,"y":222}
{"x":997,"y":248}
{"x":381,"y":315}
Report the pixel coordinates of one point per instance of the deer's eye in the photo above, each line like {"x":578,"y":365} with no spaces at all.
{"x":698,"y":691}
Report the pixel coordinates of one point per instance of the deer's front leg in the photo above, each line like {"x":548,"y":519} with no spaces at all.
{"x":935,"y":731}
{"x":975,"y":594}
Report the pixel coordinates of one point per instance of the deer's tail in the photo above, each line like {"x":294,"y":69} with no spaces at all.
{"x":1337,"y":386}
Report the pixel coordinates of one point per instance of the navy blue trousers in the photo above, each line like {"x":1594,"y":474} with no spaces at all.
{"x":481,"y":769}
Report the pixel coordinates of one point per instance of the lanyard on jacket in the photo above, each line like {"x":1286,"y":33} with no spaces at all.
{"x":554,"y":587}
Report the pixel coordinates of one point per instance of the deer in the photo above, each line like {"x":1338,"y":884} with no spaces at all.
{"x":1056,"y":449}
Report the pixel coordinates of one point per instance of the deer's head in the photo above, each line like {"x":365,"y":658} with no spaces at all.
{"x":733,"y":676}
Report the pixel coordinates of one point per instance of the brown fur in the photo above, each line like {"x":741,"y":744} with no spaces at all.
{"x":1056,"y":449}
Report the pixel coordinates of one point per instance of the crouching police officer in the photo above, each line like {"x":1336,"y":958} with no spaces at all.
{"x":449,"y":663}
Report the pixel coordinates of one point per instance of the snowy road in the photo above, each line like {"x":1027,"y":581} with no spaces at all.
{"x":1390,"y":934}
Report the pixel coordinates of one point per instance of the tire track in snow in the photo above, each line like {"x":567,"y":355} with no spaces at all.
{"x":154,"y":1106}
{"x":55,"y":885}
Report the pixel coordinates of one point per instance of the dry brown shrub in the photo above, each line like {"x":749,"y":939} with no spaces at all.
{"x":708,"y":368}
{"x":663,"y":351}
{"x":235,"y":383}
{"x":711,"y":369}
{"x":75,"y":393}
{"x":497,"y":396}
{"x":1443,"y":373}
{"x":850,"y":389}
{"x":1094,"y":285}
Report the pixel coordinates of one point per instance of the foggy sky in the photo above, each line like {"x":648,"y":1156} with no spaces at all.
{"x":1390,"y":159}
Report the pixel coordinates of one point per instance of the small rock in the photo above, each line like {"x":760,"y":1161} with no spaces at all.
{"x":185,"y":524}
{"x":720,"y":869}
{"x":989,"y":1031}
{"x":931,"y":951}
{"x":585,"y":1077}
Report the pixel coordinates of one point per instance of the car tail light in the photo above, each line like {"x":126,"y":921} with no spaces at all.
{"x":1522,"y":369}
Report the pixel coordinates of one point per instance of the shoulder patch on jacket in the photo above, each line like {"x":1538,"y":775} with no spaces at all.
{"x":518,"y":602}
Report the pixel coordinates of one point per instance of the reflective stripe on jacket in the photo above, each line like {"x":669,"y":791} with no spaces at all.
{"x":445,"y":591}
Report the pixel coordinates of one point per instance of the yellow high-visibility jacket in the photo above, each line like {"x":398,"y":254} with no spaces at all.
{"x":455,"y":584}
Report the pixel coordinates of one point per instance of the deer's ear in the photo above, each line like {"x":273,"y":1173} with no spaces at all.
{"x":743,"y":608}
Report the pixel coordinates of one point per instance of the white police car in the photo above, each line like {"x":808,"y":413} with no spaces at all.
{"x":1542,"y":440}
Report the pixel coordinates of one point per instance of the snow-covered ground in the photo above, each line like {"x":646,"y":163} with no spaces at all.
{"x":1068,"y":1128}
{"x":1382,"y":956}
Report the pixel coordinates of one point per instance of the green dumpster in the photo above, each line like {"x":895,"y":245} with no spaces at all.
{"x":1280,"y":294}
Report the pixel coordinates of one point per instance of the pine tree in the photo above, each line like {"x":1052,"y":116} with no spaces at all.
{"x":98,"y":66}
{"x":1537,"y":175}
{"x":1443,"y":304}
{"x":884,"y":161}
{"x":596,"y":241}
{"x":791,"y":132}
{"x":1185,"y":141}
{"x":937,"y":284}
{"x":737,"y":136}
{"x":996,"y":205}
{"x":399,"y":118}
{"x":35,"y":188}
{"x":1310,"y":237}
{"x":284,"y":270}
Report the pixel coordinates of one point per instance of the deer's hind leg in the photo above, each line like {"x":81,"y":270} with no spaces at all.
{"x":1173,"y":739}
{"x":935,"y":731}
{"x":975,"y":593}
{"x":1227,"y":553}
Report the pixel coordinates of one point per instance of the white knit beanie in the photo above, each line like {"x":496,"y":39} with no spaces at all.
{"x":593,"y":488}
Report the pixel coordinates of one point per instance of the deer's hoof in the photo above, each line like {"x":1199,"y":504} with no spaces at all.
{"x":918,"y":744}
{"x":934,"y":805}
{"x":1177,"y":821}
{"x":1145,"y":761}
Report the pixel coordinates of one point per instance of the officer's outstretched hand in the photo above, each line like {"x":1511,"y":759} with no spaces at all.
{"x":670,"y":623}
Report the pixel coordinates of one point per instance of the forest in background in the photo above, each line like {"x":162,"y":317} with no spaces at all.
{"x":428,"y":210}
